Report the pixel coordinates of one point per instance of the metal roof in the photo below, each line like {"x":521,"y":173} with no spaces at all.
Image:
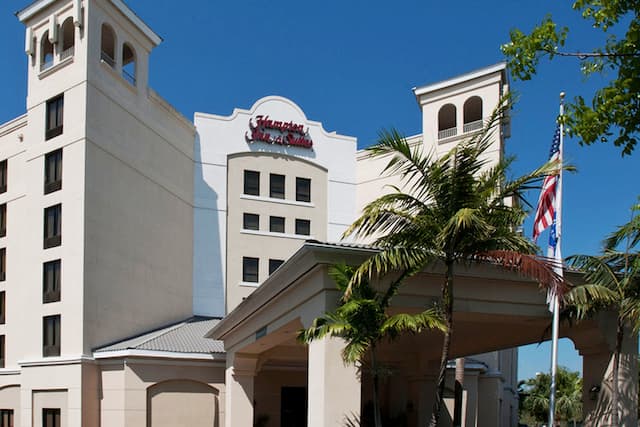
{"x":183,"y":337}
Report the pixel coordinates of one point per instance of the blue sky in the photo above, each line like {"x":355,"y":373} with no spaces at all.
{"x":352,"y":64}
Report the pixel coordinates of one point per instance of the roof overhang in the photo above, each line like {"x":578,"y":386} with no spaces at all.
{"x":500,"y":67}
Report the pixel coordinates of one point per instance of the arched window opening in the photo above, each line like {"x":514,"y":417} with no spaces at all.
{"x":128,"y":64}
{"x":68,"y":38}
{"x":46,"y":52}
{"x":447,"y":121}
{"x":472,"y":113}
{"x":108,"y":45}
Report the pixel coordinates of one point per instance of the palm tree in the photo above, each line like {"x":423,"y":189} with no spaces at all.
{"x":363,"y":322}
{"x":451,"y":210}
{"x":535,"y":400}
{"x":613,"y":283}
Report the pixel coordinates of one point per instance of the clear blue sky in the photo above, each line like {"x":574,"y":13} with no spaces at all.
{"x":352,"y":64}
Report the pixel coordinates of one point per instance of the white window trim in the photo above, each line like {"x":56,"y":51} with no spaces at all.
{"x":250,"y":284}
{"x":278,"y":201}
{"x":285,"y":235}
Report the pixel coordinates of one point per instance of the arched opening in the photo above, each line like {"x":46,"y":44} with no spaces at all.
{"x":108,"y":45}
{"x":129,"y":64}
{"x":46,"y":52}
{"x":447,"y":121}
{"x":472,"y":114}
{"x":182,"y":402}
{"x":68,"y":38}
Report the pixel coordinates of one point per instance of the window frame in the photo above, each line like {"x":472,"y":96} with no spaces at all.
{"x":57,"y":105}
{"x":51,"y":286}
{"x":247,"y":223}
{"x":274,"y":187}
{"x":55,"y":239}
{"x":303,"y":189}
{"x":276,"y":224}
{"x":3,"y":349}
{"x":3,"y":307}
{"x":303,"y":223}
{"x":3,"y":264}
{"x":53,"y":159}
{"x":249,"y":188}
{"x":3,"y":220}
{"x":4,"y":175}
{"x":55,"y":322}
{"x":274,"y":264}
{"x":247,"y":275}
{"x":6,"y":417}
{"x":55,"y":415}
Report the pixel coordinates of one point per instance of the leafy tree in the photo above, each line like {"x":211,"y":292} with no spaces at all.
{"x":535,"y":397}
{"x":363,"y":322}
{"x":612,"y":283}
{"x":451,"y":210}
{"x":614,"y":111}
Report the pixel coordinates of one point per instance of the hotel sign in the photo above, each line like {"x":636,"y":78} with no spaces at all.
{"x":263,"y":129}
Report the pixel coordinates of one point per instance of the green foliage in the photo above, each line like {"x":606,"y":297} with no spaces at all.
{"x":613,"y":113}
{"x":534,"y":395}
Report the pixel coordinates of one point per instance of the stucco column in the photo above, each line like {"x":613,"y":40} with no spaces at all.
{"x":239,"y":376}
{"x":333,"y":387}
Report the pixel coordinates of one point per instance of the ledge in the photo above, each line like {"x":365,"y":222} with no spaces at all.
{"x":55,"y":67}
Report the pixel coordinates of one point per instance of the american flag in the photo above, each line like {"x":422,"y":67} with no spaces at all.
{"x":546,"y":212}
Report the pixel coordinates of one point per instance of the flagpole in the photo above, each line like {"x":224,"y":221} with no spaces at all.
{"x":556,"y":252}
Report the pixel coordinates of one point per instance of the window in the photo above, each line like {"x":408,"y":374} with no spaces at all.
{"x":68,"y":40}
{"x":303,"y":189}
{"x":51,"y":281}
{"x":128,"y":64}
{"x":3,"y":176}
{"x":276,"y":224}
{"x":51,"y":336}
{"x":6,"y":417}
{"x":46,"y":52}
{"x":55,"y":110}
{"x":50,"y":417}
{"x":252,"y":183}
{"x":274,"y":264}
{"x":447,"y":121}
{"x":251,"y":221}
{"x":249,"y":269}
{"x":3,"y":221}
{"x":53,"y":171}
{"x":3,"y":264}
{"x":53,"y":226}
{"x":108,"y":46}
{"x":276,"y":186}
{"x":1,"y":351}
{"x":472,"y":114}
{"x":2,"y":310}
{"x":303,"y":227}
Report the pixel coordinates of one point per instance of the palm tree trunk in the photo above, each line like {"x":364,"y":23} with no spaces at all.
{"x":459,"y":387}
{"x":377,"y":418}
{"x":615,"y":389}
{"x":447,"y":303}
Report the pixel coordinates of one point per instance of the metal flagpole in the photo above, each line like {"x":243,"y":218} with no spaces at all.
{"x":555,"y":252}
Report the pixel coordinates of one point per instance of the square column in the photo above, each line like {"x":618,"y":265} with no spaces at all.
{"x":239,"y":376}
{"x":333,"y":387}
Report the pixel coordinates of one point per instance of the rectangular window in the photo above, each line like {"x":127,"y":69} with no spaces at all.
{"x":250,"y":221}
{"x":51,"y":281}
{"x":2,"y":310}
{"x":53,"y":226}
{"x":6,"y":417}
{"x":251,"y":183}
{"x":274,"y":264}
{"x":1,"y":351}
{"x":3,"y":222}
{"x":249,"y":269}
{"x":276,"y":186}
{"x":303,"y":189}
{"x":3,"y":176}
{"x":303,"y":227}
{"x":53,"y":171}
{"x":276,"y":224}
{"x":3,"y":264}
{"x":51,"y":336}
{"x":50,"y":417}
{"x":55,"y":107}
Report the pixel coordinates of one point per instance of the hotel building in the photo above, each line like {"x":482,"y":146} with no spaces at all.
{"x":155,"y":270}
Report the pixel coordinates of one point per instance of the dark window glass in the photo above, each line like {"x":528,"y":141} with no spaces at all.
{"x":51,"y":336}
{"x":276,"y":186}
{"x":252,"y":183}
{"x":55,"y":109}
{"x":303,"y":189}
{"x":1,"y":351}
{"x":303,"y":227}
{"x":276,"y":224}
{"x":274,"y":264}
{"x":2,"y":310}
{"x":251,"y":221}
{"x":6,"y":417}
{"x":3,"y":264}
{"x":249,"y":269}
{"x":50,"y":417}
{"x":3,"y":176}
{"x":53,"y":171}
{"x":3,"y":222}
{"x":53,"y":226}
{"x":51,"y":281}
